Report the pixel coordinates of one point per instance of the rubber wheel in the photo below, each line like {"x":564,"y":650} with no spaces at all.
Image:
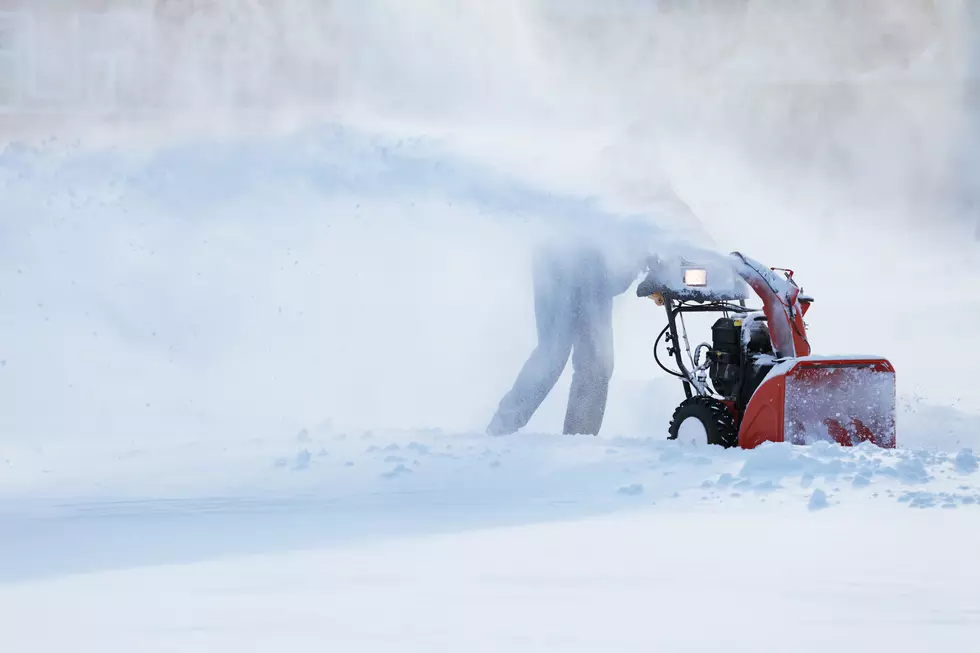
{"x":715,"y":418}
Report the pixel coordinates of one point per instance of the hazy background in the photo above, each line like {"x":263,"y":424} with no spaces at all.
{"x":235,"y":217}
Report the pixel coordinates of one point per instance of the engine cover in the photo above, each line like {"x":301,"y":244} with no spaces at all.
{"x":726,"y":355}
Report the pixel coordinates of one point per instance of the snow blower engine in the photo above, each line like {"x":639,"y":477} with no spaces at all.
{"x":756,"y":381}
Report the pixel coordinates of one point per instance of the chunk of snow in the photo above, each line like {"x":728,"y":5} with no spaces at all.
{"x":399,"y":470}
{"x":302,"y":460}
{"x":966,"y":461}
{"x":912,"y":471}
{"x":631,"y":490}
{"x":818,"y":500}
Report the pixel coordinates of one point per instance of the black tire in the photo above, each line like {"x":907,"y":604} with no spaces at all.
{"x":715,"y":417}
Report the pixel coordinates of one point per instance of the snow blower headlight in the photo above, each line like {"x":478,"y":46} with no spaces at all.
{"x":696,"y":277}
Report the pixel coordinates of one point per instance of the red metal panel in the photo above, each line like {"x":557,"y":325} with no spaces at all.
{"x":763,"y":420}
{"x":844,"y":400}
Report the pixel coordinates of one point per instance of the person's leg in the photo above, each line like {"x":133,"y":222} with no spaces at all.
{"x":554,"y":288}
{"x":593,"y":358}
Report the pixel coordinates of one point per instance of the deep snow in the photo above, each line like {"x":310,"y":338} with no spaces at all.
{"x":696,"y":580}
{"x":244,"y":368}
{"x":423,"y":540}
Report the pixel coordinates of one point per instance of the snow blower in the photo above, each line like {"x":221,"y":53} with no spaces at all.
{"x":757,"y":381}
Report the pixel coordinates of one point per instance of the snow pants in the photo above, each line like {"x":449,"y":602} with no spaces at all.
{"x":573,"y":298}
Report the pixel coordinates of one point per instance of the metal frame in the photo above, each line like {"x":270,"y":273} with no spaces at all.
{"x":677,"y":307}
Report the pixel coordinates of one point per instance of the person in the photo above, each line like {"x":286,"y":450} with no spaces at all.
{"x":579,"y":267}
{"x":575,"y":280}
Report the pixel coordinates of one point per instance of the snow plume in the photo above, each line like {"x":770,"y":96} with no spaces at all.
{"x":189,"y":271}
{"x":269,"y":283}
{"x":837,"y":104}
{"x":211,"y":259}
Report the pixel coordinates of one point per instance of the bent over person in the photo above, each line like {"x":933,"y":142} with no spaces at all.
{"x":574,"y":283}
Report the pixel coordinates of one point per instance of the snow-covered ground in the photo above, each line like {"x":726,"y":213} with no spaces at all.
{"x":427,"y":540}
{"x":697,"y":580}
{"x":244,"y":374}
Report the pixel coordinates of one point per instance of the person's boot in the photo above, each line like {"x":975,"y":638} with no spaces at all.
{"x":498,"y":428}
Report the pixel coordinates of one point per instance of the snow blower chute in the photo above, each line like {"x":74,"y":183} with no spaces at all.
{"x":757,"y":381}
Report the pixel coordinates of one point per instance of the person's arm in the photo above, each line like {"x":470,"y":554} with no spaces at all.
{"x":623,"y":277}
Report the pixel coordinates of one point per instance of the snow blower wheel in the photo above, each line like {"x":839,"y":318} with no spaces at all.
{"x":703,"y":420}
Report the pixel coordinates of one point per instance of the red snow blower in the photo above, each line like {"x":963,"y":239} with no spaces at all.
{"x":756,"y":381}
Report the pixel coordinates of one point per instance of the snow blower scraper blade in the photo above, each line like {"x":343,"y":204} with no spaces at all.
{"x":844,"y":400}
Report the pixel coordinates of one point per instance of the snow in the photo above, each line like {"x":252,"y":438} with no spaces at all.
{"x":125,"y":507}
{"x":247,"y":531}
{"x":966,"y":461}
{"x":534,"y":543}
{"x":245,"y":363}
{"x":623,"y":583}
{"x":818,"y":500}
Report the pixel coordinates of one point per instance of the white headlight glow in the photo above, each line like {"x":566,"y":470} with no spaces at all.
{"x":696,"y":277}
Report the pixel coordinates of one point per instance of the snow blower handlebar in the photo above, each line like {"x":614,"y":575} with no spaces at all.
{"x":718,"y":280}
{"x":716,"y":284}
